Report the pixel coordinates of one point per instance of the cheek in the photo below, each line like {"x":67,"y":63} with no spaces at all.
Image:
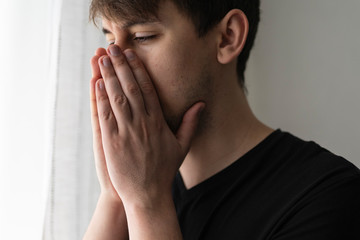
{"x":167,"y":72}
{"x":177,"y":72}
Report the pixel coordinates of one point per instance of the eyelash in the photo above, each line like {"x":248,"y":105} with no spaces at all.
{"x":144,"y":38}
{"x":140,"y":39}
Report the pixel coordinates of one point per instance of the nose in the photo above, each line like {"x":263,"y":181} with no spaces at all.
{"x":123,"y":42}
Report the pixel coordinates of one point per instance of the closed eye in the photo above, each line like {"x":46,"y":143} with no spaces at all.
{"x":143,"y":39}
{"x":140,"y":39}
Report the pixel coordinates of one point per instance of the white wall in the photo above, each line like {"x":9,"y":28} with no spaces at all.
{"x":304,"y":73}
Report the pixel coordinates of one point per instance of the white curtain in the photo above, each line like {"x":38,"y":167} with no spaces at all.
{"x":24,"y":119}
{"x":73,"y":186}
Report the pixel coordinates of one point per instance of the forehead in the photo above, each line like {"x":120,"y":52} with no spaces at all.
{"x":167,"y":14}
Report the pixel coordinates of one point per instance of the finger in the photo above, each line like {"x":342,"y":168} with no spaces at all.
{"x":95,"y":69}
{"x":108,"y":125}
{"x":94,"y":62}
{"x":100,"y":52}
{"x":189,"y":125}
{"x":99,"y":155}
{"x":93,"y":106}
{"x":96,"y":75}
{"x":127,"y":80}
{"x":118,"y":99}
{"x":94,"y":116}
{"x":151,"y":99}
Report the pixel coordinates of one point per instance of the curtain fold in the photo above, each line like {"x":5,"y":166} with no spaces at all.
{"x":73,"y":186}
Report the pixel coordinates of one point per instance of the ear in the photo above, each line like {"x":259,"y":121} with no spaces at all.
{"x":233,"y":31}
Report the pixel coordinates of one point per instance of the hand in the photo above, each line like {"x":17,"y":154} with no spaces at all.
{"x":109,"y":219}
{"x":106,"y":186}
{"x":142,"y":154}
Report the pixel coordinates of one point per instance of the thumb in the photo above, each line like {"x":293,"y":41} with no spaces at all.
{"x":188,"y":125}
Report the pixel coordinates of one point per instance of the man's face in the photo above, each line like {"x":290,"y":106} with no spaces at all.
{"x":179,"y":63}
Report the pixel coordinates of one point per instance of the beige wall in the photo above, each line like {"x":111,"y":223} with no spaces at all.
{"x":304,"y":73}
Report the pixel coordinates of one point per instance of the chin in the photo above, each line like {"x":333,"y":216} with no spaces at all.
{"x":173,"y":115}
{"x":174,"y":120}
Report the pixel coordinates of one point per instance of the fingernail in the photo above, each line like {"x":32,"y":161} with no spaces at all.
{"x":106,"y":61}
{"x":129,"y":55}
{"x":101,"y":85}
{"x":114,"y":50}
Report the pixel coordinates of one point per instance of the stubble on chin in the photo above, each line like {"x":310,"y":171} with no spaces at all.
{"x":174,"y":122}
{"x":201,"y":91}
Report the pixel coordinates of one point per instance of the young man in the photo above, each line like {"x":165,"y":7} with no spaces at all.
{"x":179,"y":153}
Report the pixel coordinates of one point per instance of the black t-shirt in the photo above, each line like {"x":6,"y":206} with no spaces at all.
{"x":283,"y":189}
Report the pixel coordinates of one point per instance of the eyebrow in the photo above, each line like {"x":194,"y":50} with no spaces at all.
{"x":130,"y":24}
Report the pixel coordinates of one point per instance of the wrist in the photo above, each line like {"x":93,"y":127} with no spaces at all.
{"x":109,"y":219}
{"x":148,"y":201}
{"x":111,"y":200}
{"x":152,"y":219}
{"x":110,"y":193}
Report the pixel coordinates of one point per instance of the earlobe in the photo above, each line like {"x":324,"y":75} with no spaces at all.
{"x":234,"y":29}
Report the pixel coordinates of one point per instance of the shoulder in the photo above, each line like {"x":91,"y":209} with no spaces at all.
{"x":326,"y":201}
{"x":310,"y":159}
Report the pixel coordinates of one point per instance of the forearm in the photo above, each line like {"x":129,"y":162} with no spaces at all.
{"x":155,"y":220}
{"x":108,"y":221}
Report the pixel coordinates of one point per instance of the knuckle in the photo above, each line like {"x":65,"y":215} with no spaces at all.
{"x":147,"y":87}
{"x":120,"y":99}
{"x":102,"y":98}
{"x":136,"y":64}
{"x":120,"y":60}
{"x":106,"y":115}
{"x":133,"y":89}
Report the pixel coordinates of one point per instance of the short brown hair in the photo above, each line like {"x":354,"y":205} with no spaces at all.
{"x":205,"y":14}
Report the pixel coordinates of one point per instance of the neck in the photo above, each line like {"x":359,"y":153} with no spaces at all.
{"x":229,"y":131}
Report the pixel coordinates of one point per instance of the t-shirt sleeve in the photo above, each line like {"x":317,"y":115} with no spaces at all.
{"x":330,"y":214}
